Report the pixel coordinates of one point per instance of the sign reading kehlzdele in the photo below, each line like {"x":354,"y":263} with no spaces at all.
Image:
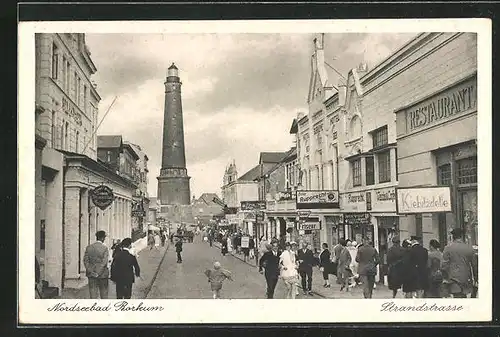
{"x":423,"y":200}
{"x":317,"y":199}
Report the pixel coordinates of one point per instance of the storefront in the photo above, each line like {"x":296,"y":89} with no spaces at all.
{"x":359,"y":226}
{"x":335,"y":229}
{"x":310,"y":232}
{"x":437,"y":147}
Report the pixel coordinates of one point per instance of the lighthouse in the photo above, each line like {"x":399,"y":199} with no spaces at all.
{"x":173,"y":181}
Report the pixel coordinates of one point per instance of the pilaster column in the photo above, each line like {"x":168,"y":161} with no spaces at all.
{"x":84,"y":226}
{"x":71,"y":233}
{"x":393,"y":162}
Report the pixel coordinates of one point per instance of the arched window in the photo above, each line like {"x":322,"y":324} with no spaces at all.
{"x":355,"y":127}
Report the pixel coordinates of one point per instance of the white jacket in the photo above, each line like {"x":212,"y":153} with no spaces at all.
{"x":287,"y":262}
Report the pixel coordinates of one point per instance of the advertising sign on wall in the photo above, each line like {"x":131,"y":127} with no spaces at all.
{"x":384,"y":199}
{"x":317,"y":199}
{"x":423,"y":200}
{"x":356,"y":218}
{"x":253,"y":205}
{"x":102,"y":196}
{"x":354,"y":202}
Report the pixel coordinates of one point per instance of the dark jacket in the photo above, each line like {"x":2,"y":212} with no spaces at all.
{"x":123,"y":267}
{"x":416,"y":272}
{"x":460,"y":266}
{"x":368,"y":260}
{"x":395,"y":262}
{"x":251,"y":243}
{"x":324,"y":259}
{"x":307,"y":259}
{"x":270,"y":263}
{"x":178,"y":246}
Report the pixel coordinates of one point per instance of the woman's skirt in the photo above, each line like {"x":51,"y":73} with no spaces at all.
{"x":215,"y":286}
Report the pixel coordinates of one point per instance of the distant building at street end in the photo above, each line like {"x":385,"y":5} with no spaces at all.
{"x":205,"y":209}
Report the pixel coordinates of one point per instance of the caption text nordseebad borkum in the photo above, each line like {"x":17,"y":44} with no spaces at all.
{"x":118,"y":306}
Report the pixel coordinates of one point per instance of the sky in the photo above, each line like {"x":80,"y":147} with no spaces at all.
{"x":240,"y":92}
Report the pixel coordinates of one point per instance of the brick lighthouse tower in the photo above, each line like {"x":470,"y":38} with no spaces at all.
{"x":174,"y":194}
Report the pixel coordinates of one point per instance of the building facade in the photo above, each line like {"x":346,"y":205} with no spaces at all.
{"x":66,"y":103}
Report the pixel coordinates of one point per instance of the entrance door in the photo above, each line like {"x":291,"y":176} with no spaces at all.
{"x":468,"y":205}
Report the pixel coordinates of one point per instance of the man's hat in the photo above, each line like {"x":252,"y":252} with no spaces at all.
{"x":100,"y":234}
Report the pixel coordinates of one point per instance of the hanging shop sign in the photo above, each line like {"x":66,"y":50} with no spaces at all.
{"x":356,"y":218}
{"x":253,"y":205}
{"x":310,"y":226}
{"x":354,"y":202}
{"x":259,"y":216}
{"x":423,"y":200}
{"x":102,"y":196}
{"x":317,"y":199}
{"x":286,"y":195}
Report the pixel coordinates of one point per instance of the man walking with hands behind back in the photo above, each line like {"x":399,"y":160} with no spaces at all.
{"x":270,"y":263}
{"x":368,"y":260}
{"x":306,"y":259}
{"x":122,"y":270}
{"x":96,"y":266}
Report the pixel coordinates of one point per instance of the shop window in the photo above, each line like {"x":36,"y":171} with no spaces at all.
{"x":356,"y":172}
{"x":379,"y":137}
{"x":444,"y":174}
{"x":42,"y":234}
{"x":55,"y":68}
{"x":370,"y":171}
{"x":384,"y":167}
{"x":467,"y":171}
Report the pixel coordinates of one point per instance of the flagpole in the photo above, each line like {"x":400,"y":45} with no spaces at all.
{"x":95,"y":131}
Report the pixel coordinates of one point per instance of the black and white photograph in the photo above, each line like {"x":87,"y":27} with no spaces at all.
{"x":181,"y":169}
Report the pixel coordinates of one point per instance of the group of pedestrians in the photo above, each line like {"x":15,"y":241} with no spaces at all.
{"x":156,"y":239}
{"x":122,"y":268}
{"x":422,"y":273}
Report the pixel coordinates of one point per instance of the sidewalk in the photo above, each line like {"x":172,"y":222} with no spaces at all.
{"x":149,"y":262}
{"x":381,"y":291}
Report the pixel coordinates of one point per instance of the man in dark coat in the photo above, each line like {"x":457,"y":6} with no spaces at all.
{"x":306,"y":261}
{"x":368,"y":260}
{"x":178,"y":249}
{"x":416,"y":270}
{"x":123,"y":268}
{"x":395,"y":258}
{"x":270,"y":263}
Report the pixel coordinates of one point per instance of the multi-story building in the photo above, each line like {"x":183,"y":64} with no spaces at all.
{"x":206,"y":208}
{"x":67,"y":219}
{"x":140,"y":208}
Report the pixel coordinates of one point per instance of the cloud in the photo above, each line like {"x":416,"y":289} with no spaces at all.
{"x":240,"y":92}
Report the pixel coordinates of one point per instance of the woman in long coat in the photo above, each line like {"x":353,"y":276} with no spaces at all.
{"x":325,"y":265}
{"x":395,"y":262}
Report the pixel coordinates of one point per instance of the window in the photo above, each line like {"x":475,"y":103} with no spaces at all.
{"x":85,"y":99}
{"x":318,"y":174}
{"x":75,"y":79}
{"x":42,"y":234}
{"x":370,"y":171}
{"x":64,"y":70}
{"x":68,"y":68}
{"x":467,"y":171}
{"x":356,"y":173}
{"x":53,"y":129}
{"x":77,"y":140}
{"x":109,"y":157}
{"x":62,"y":136}
{"x":332,"y":176}
{"x":384,"y":167}
{"x":78,"y":90}
{"x":379,"y":137}
{"x":55,"y":68}
{"x":444,"y":174}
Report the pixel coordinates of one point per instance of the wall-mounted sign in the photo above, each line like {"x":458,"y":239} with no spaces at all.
{"x":356,"y":218}
{"x":102,"y":196}
{"x":138,"y":213}
{"x":455,"y":101}
{"x":309,"y":226}
{"x":317,"y":199}
{"x":290,"y":224}
{"x":354,"y":202}
{"x":69,"y":109}
{"x":423,"y":200}
{"x":384,"y":200}
{"x":369,"y":200}
{"x":286,"y":195}
{"x":253,"y":205}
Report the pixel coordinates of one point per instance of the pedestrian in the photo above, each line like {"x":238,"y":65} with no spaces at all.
{"x":269,"y":265}
{"x":288,"y":271}
{"x":124,"y":269}
{"x":178,"y":249}
{"x":116,"y":247}
{"x":343,"y":270}
{"x":229,"y":244}
{"x":157,"y":241}
{"x":172,"y":238}
{"x":246,"y":250}
{"x":262,"y":245}
{"x":151,"y":240}
{"x":163,"y":237}
{"x":336,"y":254}
{"x":216,"y":277}
{"x":223,"y":248}
{"x":251,"y":246}
{"x":459,"y":266}
{"x":353,"y":251}
{"x":368,"y":260}
{"x":210,"y":238}
{"x":434,"y":263}
{"x":395,"y":263}
{"x":325,"y":265}
{"x":416,"y":276}
{"x":95,"y":260}
{"x":306,"y":261}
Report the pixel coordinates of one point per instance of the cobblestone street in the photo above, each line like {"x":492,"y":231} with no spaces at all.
{"x":187,"y":280}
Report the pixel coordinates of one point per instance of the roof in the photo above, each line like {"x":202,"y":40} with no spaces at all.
{"x":208,"y":198}
{"x":172,"y":66}
{"x":290,"y":155}
{"x":109,"y":141}
{"x":251,"y":175}
{"x":133,"y":151}
{"x":271,"y":157}
{"x":295,"y":127}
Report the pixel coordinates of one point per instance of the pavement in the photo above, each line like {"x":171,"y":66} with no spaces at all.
{"x":186,"y":280}
{"x":149,"y":261}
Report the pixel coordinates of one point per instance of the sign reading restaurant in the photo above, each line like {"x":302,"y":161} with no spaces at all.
{"x":423,"y":200}
{"x":317,"y":199}
{"x":455,"y":101}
